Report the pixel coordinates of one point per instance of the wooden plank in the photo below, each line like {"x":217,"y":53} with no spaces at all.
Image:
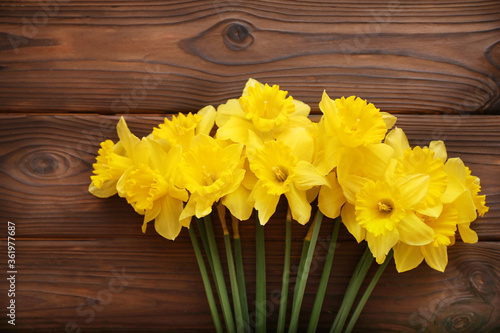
{"x":72,"y":247}
{"x":46,"y":162}
{"x":108,"y":57}
{"x":149,"y":284}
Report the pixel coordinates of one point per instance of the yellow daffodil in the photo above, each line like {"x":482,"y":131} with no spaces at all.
{"x":435,"y":253}
{"x":348,"y":122}
{"x":462,"y":192}
{"x":420,"y":161}
{"x":211,"y":172}
{"x":181,"y":130}
{"x":113,"y":160}
{"x":384,"y":214}
{"x":262,"y":109}
{"x":279,"y":171}
{"x":150,"y":188}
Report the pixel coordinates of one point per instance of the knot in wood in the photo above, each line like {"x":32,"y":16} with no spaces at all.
{"x":461,"y":322}
{"x":237,"y":36}
{"x":43,"y":164}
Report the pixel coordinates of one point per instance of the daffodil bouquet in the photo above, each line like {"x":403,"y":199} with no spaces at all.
{"x":404,"y":202}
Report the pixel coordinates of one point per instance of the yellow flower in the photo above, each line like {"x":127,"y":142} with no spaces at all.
{"x":210,"y":172}
{"x":384,"y":214}
{"x":150,"y":188}
{"x":435,"y":253}
{"x":113,"y":160}
{"x":421,"y":161}
{"x":462,"y":192}
{"x":278,"y":172}
{"x":262,"y":109}
{"x":348,"y":122}
{"x":181,"y":130}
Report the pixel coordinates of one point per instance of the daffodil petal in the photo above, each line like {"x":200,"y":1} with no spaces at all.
{"x":453,"y":190}
{"x":468,"y":235}
{"x":439,"y":149}
{"x":206,"y":124}
{"x":465,"y":208}
{"x":436,"y":257}
{"x":398,"y":141}
{"x":407,"y":257}
{"x":235,"y":129}
{"x":331,"y":198}
{"x":107,"y":189}
{"x":413,"y":231}
{"x":126,"y":137}
{"x":264,"y":203}
{"x":301,"y":108}
{"x":433,"y":211}
{"x":381,"y":245}
{"x":167,"y":222}
{"x":349,"y":220}
{"x":413,"y":189}
{"x":251,"y":83}
{"x":237,"y":203}
{"x":306,"y":176}
{"x":299,"y":205}
{"x":300,"y":141}
{"x":389,"y":119}
{"x":231,"y":108}
{"x":456,"y":167}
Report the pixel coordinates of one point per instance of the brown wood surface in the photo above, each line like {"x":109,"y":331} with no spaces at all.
{"x":71,"y":246}
{"x":68,"y":68}
{"x":129,"y":56}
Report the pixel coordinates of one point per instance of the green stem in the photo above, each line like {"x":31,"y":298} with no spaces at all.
{"x":367,"y":293}
{"x":294,"y":321}
{"x":240,"y":275}
{"x":204,"y":241}
{"x":240,"y":272}
{"x":303,"y":255}
{"x":223,"y":297}
{"x":286,"y":274}
{"x":320,"y":294}
{"x":352,"y":290}
{"x":260,"y":315}
{"x":234,"y":285}
{"x":206,"y":281}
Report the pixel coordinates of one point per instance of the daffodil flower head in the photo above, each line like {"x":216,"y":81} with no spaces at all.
{"x":378,"y":207}
{"x":279,"y":172}
{"x":110,"y":165}
{"x":150,"y":189}
{"x":113,"y":160}
{"x":181,"y":129}
{"x":422,"y":161}
{"x":210,"y":172}
{"x":268,"y":107}
{"x":262,"y":109}
{"x":354,"y":121}
{"x":474,"y":186}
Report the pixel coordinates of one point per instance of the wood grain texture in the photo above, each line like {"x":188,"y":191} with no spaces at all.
{"x":83,"y":262}
{"x":128,"y":56}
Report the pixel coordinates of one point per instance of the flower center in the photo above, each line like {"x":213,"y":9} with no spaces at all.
{"x":209,"y":180}
{"x":385,"y":207}
{"x":280,"y":175}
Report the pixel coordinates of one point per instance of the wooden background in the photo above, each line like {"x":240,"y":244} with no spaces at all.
{"x":68,"y":69}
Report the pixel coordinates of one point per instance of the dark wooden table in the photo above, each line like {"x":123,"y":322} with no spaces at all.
{"x":69,"y":69}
